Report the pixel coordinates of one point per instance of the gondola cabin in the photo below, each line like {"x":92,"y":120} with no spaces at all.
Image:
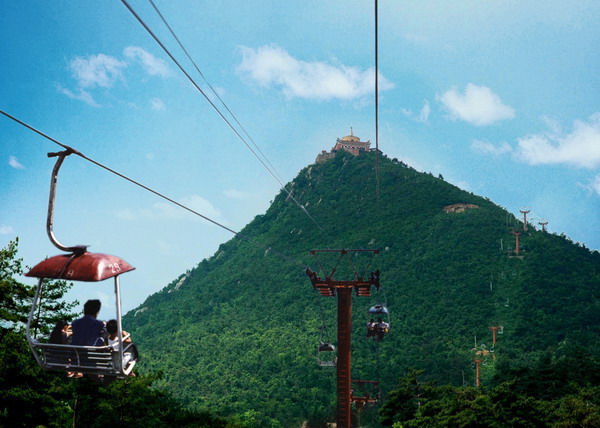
{"x":326,"y":356}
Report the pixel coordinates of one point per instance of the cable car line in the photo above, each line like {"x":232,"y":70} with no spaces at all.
{"x":213,"y":90}
{"x":157,"y":193}
{"x":377,"y":104}
{"x":191,"y":79}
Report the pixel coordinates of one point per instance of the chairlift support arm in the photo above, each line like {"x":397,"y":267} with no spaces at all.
{"x":77,"y":249}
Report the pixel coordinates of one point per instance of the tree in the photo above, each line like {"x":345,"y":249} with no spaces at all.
{"x":14,"y":296}
{"x":402,"y":403}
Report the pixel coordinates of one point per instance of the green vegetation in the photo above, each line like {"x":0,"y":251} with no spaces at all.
{"x":238,"y":333}
{"x":560,"y":389}
{"x":236,"y":336}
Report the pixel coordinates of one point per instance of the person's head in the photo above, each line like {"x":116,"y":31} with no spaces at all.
{"x":372,"y":320}
{"x":56,"y":334}
{"x":92,"y":307}
{"x":379,"y":320}
{"x":111,"y":327}
{"x":60,"y":325}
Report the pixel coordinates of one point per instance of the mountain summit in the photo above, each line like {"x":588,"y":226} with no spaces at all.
{"x":239,"y":332}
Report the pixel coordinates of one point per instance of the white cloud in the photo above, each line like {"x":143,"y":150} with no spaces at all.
{"x":195,"y":202}
{"x":461,"y":184}
{"x":580,"y":148}
{"x":126,"y":214}
{"x":272,"y":66}
{"x":153,"y":66}
{"x":164,"y":247}
{"x":168,"y":211}
{"x":107,"y":300}
{"x":236,"y":194}
{"x":6,"y":230}
{"x":103,"y":71}
{"x":157,"y":104}
{"x":96,"y":70}
{"x":83,"y":95}
{"x":486,"y":147}
{"x":593,"y":185}
{"x":12,"y":161}
{"x":478,"y":105}
{"x":423,"y":115}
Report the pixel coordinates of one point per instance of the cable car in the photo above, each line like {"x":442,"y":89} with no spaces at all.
{"x":325,"y":355}
{"x":378,"y":329}
{"x":78,"y":265}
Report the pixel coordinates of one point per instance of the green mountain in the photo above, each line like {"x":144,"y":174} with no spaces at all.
{"x":238,"y":333}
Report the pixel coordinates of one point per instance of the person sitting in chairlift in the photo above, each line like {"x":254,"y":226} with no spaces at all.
{"x":61,"y":334}
{"x":382,"y":328}
{"x":88,"y":330}
{"x":371,"y":328}
{"x":113,"y":341}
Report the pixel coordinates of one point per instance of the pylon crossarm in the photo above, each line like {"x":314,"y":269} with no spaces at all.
{"x":343,"y":253}
{"x":320,"y":265}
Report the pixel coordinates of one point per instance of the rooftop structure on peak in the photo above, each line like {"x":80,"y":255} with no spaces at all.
{"x":349,"y":143}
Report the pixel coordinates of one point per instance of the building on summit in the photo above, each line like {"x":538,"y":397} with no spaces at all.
{"x":349,"y":143}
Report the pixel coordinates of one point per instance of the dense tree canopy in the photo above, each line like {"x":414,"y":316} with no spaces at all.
{"x":237,"y":335}
{"x":244,"y":324}
{"x":558,"y":390}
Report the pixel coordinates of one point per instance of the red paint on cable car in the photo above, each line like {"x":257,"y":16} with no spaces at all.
{"x":84,"y":267}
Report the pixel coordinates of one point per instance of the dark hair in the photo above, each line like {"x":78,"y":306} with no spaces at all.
{"x":111,"y":327}
{"x":92,"y":307}
{"x":56,"y":335}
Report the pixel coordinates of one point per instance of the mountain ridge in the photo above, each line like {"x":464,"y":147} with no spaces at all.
{"x":243,"y":325}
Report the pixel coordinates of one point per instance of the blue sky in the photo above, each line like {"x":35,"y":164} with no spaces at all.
{"x":502,"y":98}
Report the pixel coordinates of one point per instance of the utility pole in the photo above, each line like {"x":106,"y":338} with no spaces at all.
{"x":329,"y":287}
{"x":524,"y":211}
{"x":494,"y":331}
{"x":477,"y":362}
{"x":543,"y":223}
{"x":517,"y":234}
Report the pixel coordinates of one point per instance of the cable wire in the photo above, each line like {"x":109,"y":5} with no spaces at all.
{"x":164,"y":20}
{"x":191,"y":79}
{"x":377,"y":103}
{"x":157,"y":193}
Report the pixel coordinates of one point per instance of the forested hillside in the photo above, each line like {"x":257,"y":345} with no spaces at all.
{"x":238,"y":332}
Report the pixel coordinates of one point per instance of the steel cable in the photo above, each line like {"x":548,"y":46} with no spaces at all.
{"x":191,"y":79}
{"x":157,"y":193}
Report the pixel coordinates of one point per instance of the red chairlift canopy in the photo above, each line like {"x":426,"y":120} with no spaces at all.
{"x":89,"y":267}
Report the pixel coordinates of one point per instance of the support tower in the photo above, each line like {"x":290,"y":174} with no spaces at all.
{"x":330,"y":287}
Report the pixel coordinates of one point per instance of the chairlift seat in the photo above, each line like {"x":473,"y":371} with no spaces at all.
{"x":94,"y":360}
{"x":77,"y":265}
